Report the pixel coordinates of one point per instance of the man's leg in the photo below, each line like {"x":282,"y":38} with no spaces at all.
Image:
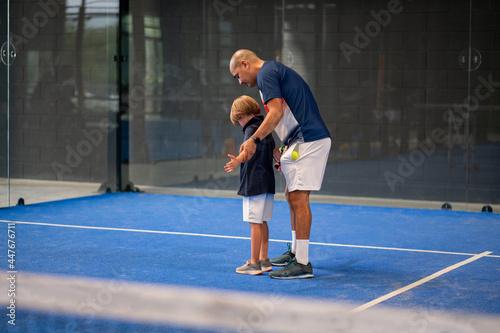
{"x":292,"y":222}
{"x":299,"y":266}
{"x":299,"y":203}
{"x":290,"y":253}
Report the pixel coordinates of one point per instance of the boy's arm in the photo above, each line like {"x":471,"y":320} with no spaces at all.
{"x":235,"y":161}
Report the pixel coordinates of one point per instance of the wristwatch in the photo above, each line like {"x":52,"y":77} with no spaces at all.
{"x":255,"y":139}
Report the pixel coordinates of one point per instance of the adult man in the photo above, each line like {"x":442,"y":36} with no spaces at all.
{"x":293,"y":114}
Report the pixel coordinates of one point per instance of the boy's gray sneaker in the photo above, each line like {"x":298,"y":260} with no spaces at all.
{"x":250,"y":268}
{"x":266,"y":265}
{"x":285,"y":258}
{"x":293,"y":270}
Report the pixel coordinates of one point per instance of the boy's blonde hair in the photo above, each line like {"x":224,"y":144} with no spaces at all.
{"x":243,"y":105}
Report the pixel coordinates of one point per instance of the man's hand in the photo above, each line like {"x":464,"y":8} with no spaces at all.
{"x":247,"y":150}
{"x":230,"y":166}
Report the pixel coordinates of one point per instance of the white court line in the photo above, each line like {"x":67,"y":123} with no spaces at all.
{"x":418,"y":283}
{"x":396,"y":249}
{"x":238,"y":237}
{"x":124,"y":229}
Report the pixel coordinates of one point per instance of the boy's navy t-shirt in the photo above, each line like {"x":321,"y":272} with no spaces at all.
{"x":257,"y":174}
{"x":301,"y":119}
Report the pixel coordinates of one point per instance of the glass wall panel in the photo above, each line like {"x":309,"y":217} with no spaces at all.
{"x":63,"y":98}
{"x":181,"y":90}
{"x":483,"y":116}
{"x":386,"y":76}
{"x":407,"y":90}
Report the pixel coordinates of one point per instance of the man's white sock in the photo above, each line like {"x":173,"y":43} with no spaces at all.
{"x":294,"y":242}
{"x":302,"y":254}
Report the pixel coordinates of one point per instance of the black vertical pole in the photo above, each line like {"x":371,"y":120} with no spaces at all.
{"x":79,"y":58}
{"x":123,"y":92}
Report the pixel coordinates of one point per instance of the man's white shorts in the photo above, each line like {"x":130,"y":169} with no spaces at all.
{"x":306,"y":173}
{"x":258,"y":208}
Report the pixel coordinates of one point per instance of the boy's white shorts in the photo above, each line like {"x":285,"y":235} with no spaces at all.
{"x":258,"y":208}
{"x":306,"y":173}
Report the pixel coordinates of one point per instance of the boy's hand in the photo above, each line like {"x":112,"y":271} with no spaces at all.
{"x":230,"y":166}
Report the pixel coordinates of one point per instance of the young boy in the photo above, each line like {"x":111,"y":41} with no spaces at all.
{"x":256,"y":183}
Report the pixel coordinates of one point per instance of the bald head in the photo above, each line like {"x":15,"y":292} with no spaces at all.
{"x":244,"y":66}
{"x":245,"y":55}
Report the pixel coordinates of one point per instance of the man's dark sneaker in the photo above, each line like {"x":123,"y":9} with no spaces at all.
{"x":293,"y":270}
{"x":283,"y":259}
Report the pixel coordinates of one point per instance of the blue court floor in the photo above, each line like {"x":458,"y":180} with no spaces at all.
{"x":359,"y":254}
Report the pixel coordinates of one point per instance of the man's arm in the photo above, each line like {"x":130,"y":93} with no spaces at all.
{"x":277,"y":154}
{"x":272,"y":119}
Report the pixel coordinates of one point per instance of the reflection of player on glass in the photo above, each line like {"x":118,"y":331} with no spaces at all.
{"x":293,"y":114}
{"x":256,"y":184}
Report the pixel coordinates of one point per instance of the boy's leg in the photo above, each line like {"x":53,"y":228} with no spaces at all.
{"x":265,"y":262}
{"x":252,"y":213}
{"x":255,"y":240}
{"x":267,"y":215}
{"x":253,"y":266}
{"x":264,"y":243}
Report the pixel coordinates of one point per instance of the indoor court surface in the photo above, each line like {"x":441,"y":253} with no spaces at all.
{"x":98,"y":251}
